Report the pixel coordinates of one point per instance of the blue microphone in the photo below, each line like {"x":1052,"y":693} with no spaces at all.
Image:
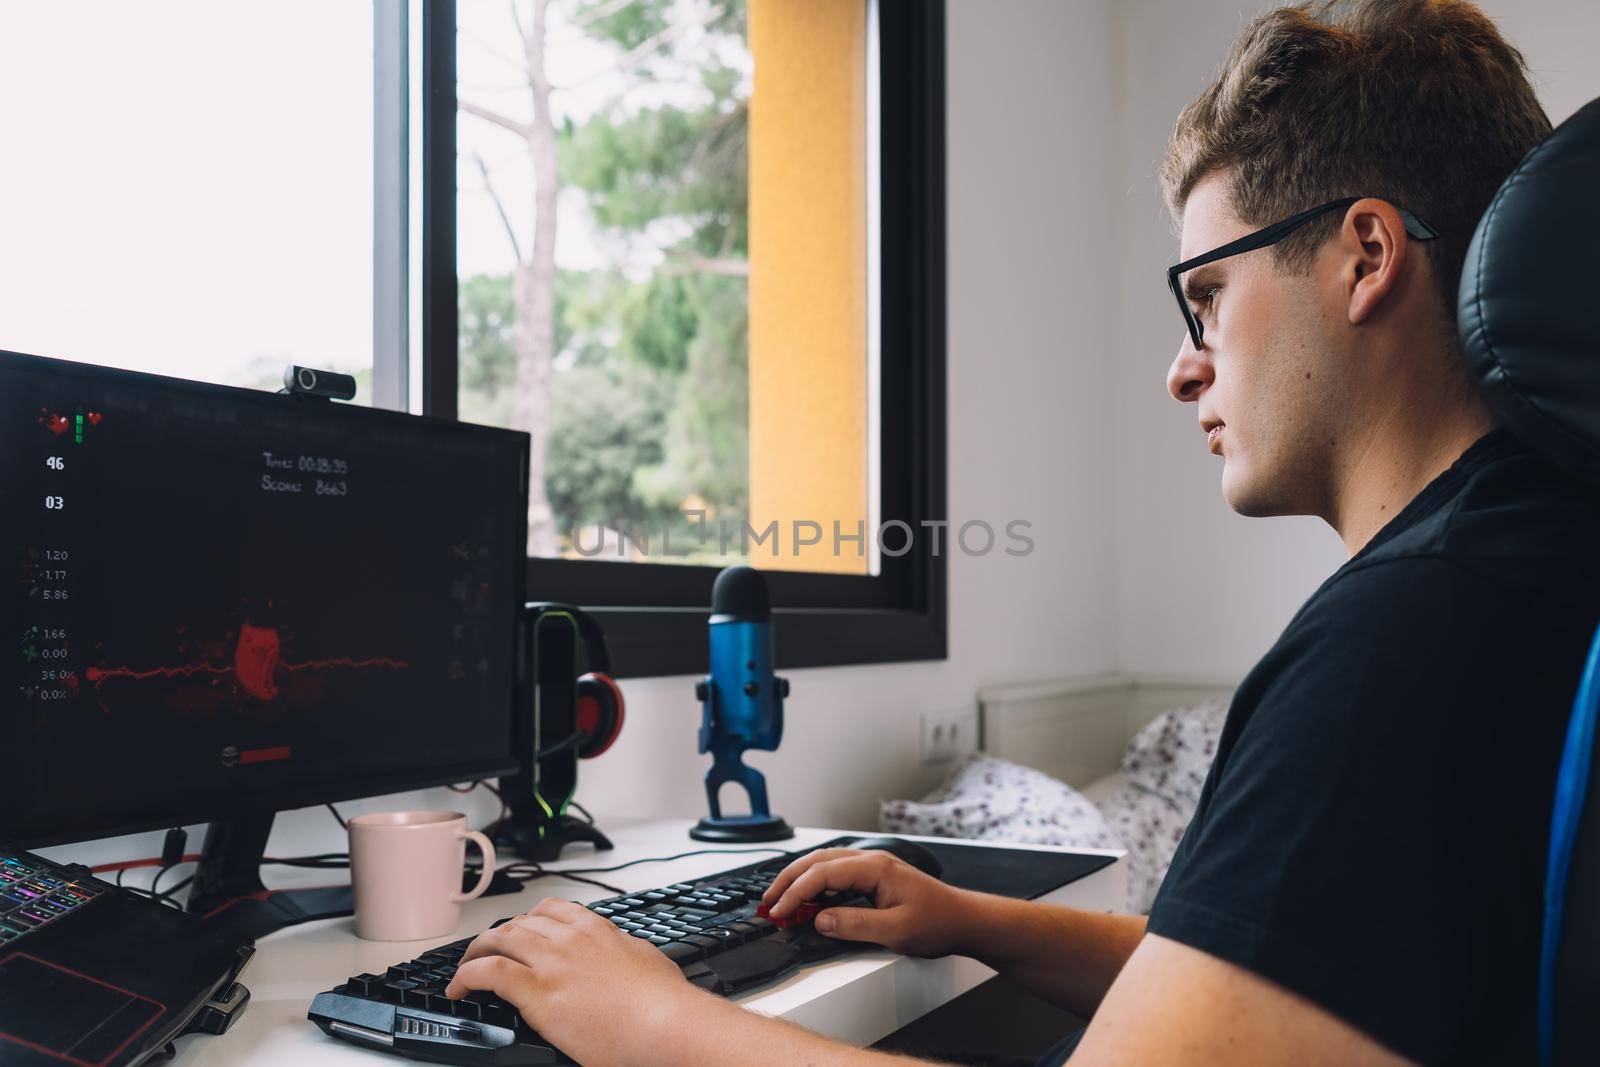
{"x":741,"y":706}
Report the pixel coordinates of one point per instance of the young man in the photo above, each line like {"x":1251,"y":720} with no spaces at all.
{"x":1362,"y":881}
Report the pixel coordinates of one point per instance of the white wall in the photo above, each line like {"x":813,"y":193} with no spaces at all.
{"x":1030,"y":436}
{"x":1199,"y":589}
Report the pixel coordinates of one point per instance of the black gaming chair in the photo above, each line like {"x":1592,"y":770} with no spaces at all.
{"x":1530,"y":328}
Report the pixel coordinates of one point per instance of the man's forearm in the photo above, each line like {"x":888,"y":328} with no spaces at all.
{"x":701,"y":1030}
{"x":1069,"y":957}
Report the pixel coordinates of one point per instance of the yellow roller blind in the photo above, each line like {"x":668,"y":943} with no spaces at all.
{"x":808,"y":284}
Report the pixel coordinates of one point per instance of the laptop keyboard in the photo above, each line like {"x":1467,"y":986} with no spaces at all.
{"x":35,"y":892}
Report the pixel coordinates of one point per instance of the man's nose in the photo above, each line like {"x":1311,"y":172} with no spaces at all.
{"x":1190,"y":373}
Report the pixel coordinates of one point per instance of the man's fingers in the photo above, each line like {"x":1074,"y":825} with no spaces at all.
{"x":564,"y":911}
{"x":860,"y":924}
{"x":856,"y":870}
{"x":787,"y":876}
{"x":506,"y":978}
{"x":534,"y":922}
{"x":516,"y":939}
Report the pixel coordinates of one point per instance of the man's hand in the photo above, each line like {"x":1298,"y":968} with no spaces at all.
{"x":571,"y":974}
{"x":915,"y":915}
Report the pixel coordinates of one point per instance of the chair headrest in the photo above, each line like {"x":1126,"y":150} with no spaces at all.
{"x":1530,"y":298}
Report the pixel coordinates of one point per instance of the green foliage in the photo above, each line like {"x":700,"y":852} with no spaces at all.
{"x":645,"y":423}
{"x":658,"y":323}
{"x":691,"y":164}
{"x":487,"y":322}
{"x":667,"y":162}
{"x":649,"y":401}
{"x":487,"y":331}
{"x":628,"y":27}
{"x":706,"y":447}
{"x":605,"y":423}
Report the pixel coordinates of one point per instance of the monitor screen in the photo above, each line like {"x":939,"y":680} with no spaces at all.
{"x":223,"y":600}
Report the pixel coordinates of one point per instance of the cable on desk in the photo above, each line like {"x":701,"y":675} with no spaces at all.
{"x":521,"y":870}
{"x":128,"y":865}
{"x":160,"y":898}
{"x":166,"y":895}
{"x":531,"y":872}
{"x":505,"y":809}
{"x":572,"y":740}
{"x":343,"y":824}
{"x":526,"y":871}
{"x":323,"y":861}
{"x":664,"y":859}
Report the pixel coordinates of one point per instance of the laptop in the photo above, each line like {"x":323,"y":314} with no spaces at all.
{"x":97,"y":976}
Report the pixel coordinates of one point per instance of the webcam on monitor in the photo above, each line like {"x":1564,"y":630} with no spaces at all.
{"x":327,"y":384}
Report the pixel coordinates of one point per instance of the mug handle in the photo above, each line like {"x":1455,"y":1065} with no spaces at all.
{"x":487,"y":848}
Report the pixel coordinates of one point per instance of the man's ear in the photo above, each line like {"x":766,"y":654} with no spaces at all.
{"x":1373,"y":245}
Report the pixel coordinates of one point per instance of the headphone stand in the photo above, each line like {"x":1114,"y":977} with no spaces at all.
{"x":542,"y":839}
{"x":572,"y":716}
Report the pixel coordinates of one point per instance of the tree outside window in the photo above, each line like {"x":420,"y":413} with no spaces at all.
{"x":603,"y":251}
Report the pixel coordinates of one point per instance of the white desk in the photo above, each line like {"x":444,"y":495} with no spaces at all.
{"x":860,"y":999}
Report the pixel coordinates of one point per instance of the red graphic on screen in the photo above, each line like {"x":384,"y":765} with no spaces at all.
{"x":255,"y":660}
{"x":265,"y":755}
{"x":55,"y":423}
{"x":255,"y":665}
{"x":98,"y":675}
{"x":94,"y":418}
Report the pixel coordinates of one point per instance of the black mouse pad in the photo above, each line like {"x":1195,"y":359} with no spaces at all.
{"x":1007,"y":872}
{"x":57,"y":1015}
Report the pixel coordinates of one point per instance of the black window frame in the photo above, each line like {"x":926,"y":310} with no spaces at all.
{"x":654,"y":614}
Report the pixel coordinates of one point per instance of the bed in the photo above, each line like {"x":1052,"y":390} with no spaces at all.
{"x":1111,"y":761}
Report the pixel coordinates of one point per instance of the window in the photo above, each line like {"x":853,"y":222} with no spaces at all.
{"x":731,"y":347}
{"x":189,"y":187}
{"x":732,"y":311}
{"x":690,"y":359}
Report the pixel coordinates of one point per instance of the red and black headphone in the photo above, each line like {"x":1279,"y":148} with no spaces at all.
{"x":574,"y":712}
{"x":598,"y":710}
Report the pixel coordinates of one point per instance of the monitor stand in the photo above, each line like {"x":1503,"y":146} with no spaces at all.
{"x":228,"y":894}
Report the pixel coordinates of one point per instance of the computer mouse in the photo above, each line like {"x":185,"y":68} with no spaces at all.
{"x":919,"y":856}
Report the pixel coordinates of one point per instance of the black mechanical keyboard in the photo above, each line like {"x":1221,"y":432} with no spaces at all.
{"x":709,"y":927}
{"x":35,"y":892}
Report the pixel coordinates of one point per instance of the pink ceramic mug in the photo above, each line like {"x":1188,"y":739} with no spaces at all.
{"x":405,"y":867}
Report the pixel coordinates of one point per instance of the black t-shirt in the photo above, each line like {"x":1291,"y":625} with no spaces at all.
{"x":1373,"y":833}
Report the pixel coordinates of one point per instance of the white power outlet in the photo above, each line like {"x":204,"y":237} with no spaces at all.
{"x":948,"y":735}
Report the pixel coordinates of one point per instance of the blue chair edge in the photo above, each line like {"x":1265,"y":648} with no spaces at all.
{"x":1572,"y":787}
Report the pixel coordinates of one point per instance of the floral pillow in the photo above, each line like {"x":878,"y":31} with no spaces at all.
{"x":1146,"y":811}
{"x":994,"y":799}
{"x":1171,"y":756}
{"x":1150,"y":827}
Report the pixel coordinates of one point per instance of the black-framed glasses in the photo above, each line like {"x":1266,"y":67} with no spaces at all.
{"x":1271,"y":235}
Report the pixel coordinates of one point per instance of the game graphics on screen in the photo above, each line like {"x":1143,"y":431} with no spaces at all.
{"x":248,"y":585}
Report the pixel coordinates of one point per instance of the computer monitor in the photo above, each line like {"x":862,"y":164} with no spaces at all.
{"x":227,"y":602}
